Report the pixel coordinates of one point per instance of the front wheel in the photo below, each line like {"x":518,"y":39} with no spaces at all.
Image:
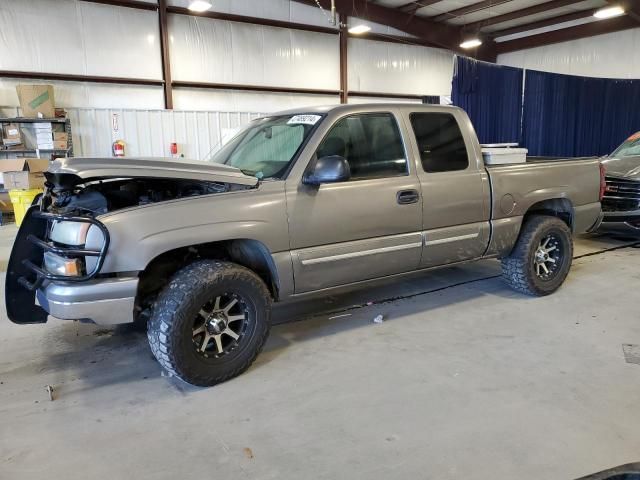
{"x":210,"y":322}
{"x":541,"y":258}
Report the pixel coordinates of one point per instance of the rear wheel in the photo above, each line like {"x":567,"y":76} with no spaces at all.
{"x":541,"y":258}
{"x":210,"y":322}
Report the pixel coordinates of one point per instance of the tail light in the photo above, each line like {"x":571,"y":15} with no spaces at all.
{"x":603,"y":181}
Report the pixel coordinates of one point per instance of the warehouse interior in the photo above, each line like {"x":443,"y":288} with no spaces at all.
{"x":426,"y":215}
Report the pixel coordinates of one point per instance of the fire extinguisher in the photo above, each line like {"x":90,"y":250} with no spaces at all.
{"x":174,"y":150}
{"x":118,"y":148}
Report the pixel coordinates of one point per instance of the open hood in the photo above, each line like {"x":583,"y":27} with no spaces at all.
{"x":100,"y":185}
{"x":169,"y":168}
{"x":626,"y":167}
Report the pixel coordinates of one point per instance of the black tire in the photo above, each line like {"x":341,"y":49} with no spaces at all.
{"x":179,"y":308}
{"x":522,"y":269}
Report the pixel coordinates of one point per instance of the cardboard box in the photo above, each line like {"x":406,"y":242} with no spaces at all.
{"x":39,"y":135}
{"x":23,"y":173}
{"x":11,"y":134}
{"x":36,"y":101}
{"x":60,"y":140}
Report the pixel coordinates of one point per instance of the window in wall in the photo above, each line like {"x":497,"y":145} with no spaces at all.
{"x":442,"y":148}
{"x":371,"y":143}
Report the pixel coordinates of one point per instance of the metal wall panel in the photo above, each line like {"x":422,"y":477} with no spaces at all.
{"x":285,"y":10}
{"x":149,"y":133}
{"x":613,"y":55}
{"x":240,"y":101}
{"x":219,"y":51}
{"x":73,"y":37}
{"x":85,"y":94}
{"x":397,"y":68}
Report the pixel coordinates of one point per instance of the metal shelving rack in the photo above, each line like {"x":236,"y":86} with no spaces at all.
{"x":40,"y":153}
{"x":68,"y":152}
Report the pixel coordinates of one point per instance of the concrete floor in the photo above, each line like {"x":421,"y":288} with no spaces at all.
{"x":464,"y":379}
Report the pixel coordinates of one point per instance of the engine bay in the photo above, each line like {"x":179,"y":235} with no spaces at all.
{"x":65,"y":196}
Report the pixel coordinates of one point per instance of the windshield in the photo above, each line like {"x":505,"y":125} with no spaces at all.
{"x":266,"y":146}
{"x":629,"y":148}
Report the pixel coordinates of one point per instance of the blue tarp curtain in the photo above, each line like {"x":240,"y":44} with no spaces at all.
{"x":571,"y":116}
{"x":492,"y":96}
{"x":562,"y":115}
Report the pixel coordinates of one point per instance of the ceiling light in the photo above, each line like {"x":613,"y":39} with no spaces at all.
{"x":199,"y":6}
{"x":609,"y":12}
{"x":358,"y":29}
{"x":472,"y":43}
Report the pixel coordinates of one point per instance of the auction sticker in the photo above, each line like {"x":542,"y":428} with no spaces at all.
{"x":304,"y":119}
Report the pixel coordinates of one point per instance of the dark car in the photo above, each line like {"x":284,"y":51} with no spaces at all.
{"x":621,"y":202}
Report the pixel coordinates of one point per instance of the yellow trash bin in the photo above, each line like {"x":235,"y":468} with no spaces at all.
{"x":22,"y":200}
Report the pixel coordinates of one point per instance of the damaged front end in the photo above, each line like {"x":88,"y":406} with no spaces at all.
{"x":36,"y":258}
{"x":62,"y":244}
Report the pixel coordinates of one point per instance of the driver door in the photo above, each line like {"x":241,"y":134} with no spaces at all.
{"x":363,"y":228}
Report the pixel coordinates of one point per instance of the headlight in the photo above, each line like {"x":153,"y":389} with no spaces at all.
{"x":70,"y":233}
{"x":78,"y":234}
{"x":68,"y":267}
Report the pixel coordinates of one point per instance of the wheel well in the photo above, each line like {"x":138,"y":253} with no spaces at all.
{"x":246,"y":252}
{"x":555,"y":207}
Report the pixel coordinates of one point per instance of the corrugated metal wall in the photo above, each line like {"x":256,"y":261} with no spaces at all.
{"x":149,"y":132}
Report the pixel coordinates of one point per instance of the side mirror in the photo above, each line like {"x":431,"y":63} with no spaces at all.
{"x":331,"y":169}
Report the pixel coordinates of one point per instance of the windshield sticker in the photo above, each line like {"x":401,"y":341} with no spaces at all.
{"x":304,"y":119}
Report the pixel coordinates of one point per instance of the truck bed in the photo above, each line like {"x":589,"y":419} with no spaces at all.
{"x":574,"y":183}
{"x":556,"y":159}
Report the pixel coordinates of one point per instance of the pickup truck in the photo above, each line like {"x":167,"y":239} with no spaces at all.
{"x":298,"y":203}
{"x":621,"y":202}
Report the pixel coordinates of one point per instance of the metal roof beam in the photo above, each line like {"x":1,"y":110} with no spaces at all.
{"x":433,"y":33}
{"x":543,"y":23}
{"x":525,"y":12}
{"x":566,"y":34}
{"x":473,"y":8}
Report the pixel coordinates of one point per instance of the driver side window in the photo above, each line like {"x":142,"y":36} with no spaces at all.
{"x":371,"y":144}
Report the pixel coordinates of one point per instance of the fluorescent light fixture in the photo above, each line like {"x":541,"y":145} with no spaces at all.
{"x":199,"y":6}
{"x":358,"y":29}
{"x":472,"y":43}
{"x":609,"y":12}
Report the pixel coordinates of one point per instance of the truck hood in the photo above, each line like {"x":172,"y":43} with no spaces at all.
{"x":627,"y":167}
{"x":119,"y":167}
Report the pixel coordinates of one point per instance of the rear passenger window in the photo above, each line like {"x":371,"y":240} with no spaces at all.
{"x":371,"y":143}
{"x":442,"y":148}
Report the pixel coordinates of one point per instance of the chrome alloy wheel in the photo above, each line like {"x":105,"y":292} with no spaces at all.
{"x":548,"y":257}
{"x":220,"y":325}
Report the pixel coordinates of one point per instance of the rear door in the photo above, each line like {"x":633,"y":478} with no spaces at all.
{"x":455,"y":187}
{"x":364,"y":228}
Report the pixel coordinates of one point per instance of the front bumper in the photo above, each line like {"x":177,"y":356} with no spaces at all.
{"x":32,"y":294}
{"x":625,"y":222}
{"x":104,"y":301}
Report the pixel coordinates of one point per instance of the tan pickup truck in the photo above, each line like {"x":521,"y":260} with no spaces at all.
{"x":297,"y":203}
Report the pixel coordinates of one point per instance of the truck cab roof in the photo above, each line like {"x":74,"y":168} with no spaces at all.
{"x":361,"y":108}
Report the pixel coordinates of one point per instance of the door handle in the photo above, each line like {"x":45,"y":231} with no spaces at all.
{"x":406,"y":197}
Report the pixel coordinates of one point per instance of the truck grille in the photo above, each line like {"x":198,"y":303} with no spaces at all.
{"x":621,"y":195}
